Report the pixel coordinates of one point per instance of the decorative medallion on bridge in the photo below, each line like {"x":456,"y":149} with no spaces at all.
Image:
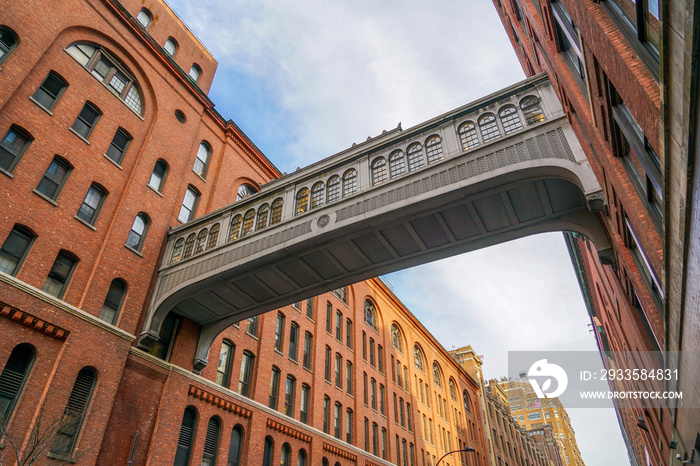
{"x":323,"y":220}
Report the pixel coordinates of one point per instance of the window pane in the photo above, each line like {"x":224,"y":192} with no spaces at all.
{"x":91,"y":205}
{"x":14,"y":249}
{"x":11,"y":148}
{"x":49,"y":91}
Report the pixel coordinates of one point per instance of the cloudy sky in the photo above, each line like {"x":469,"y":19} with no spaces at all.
{"x":305,"y":79}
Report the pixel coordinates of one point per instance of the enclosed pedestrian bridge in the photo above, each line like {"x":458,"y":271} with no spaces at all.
{"x":503,"y":167}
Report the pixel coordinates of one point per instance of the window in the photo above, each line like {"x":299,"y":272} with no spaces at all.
{"x":640,"y":258}
{"x":333,"y":189}
{"x":252,"y":326}
{"x":370,"y":314}
{"x":382,"y":397}
{"x":263,"y":213}
{"x":397,"y":165}
{"x":348,"y":377}
{"x":293,"y":341}
{"x":8,"y":42}
{"x":373,"y":393}
{"x":371,"y":352}
{"x":15,"y":249}
{"x":338,"y":326}
{"x":304,"y":408}
{"x":418,"y":357}
{"x":532,"y":110}
{"x":54,"y":178}
{"x":329,"y":314}
{"x":223,"y":371}
{"x":213,"y":236}
{"x":349,"y":182}
{"x":467,"y":135}
{"x":91,"y":205}
{"x":348,"y":426}
{"x":13,"y":377}
{"x":268,"y":451}
{"x":341,"y":293}
{"x":308,"y":344}
{"x":50,"y":90}
{"x":365,"y":393}
{"x":366,"y":435}
{"x":160,"y":171}
{"x":364,"y":346}
{"x":244,"y":190}
{"x":301,"y":458}
{"x":274,"y":387}
{"x":348,"y":333}
{"x":184,"y":442}
{"x":137,"y":235}
{"x":338,"y":370}
{"x":202,"y":159}
{"x":276,"y":213}
{"x":326,"y":413}
{"x":234,"y":447}
{"x":246,"y":373}
{"x":327,"y":364}
{"x":60,"y":273}
{"x":302,"y":201}
{"x":408,"y":417}
{"x":285,"y":458}
{"x":72,"y":421}
{"x":379,"y":174}
{"x":195,"y":73}
{"x":396,"y":340}
{"x":433,"y":147}
{"x":453,"y":389}
{"x":12,"y":147}
{"x":211,"y":441}
{"x":189,"y":205}
{"x":117,"y":148}
{"x":337,"y":422}
{"x":380,"y":358}
{"x":375,"y":439}
{"x":641,"y":21}
{"x":568,"y":40}
{"x":437,"y":375}
{"x":489,"y":127}
{"x":113,"y":301}
{"x":279,"y":332}
{"x":179,"y":116}
{"x":415,"y":157}
{"x":510,"y":119}
{"x":289,"y":396}
{"x":170,"y":46}
{"x":110,"y":72}
{"x":317,"y":195}
{"x":144,"y":18}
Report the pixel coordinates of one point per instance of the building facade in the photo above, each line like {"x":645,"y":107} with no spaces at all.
{"x":628,"y":80}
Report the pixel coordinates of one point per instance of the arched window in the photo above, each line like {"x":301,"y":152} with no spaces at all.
{"x":244,"y":378}
{"x":8,"y":42}
{"x":350,"y":182}
{"x":276,"y":212}
{"x":333,"y":188}
{"x":177,"y":250}
{"x":211,"y":442}
{"x":418,"y":358}
{"x":179,"y":116}
{"x":467,"y":401}
{"x":107,"y":69}
{"x":433,"y":147}
{"x":302,"y":201}
{"x":160,"y":171}
{"x":170,"y":46}
{"x":437,"y":375}
{"x":189,"y":205}
{"x":397,"y":165}
{"x":489,"y":127}
{"x":15,"y":249}
{"x":48,"y":93}
{"x":195,"y":72}
{"x":12,"y":147}
{"x":113,"y":301}
{"x":532,"y":110}
{"x":301,"y":458}
{"x":189,"y":246}
{"x":234,"y":447}
{"x":244,"y":190}
{"x":235,"y":229}
{"x":60,"y":273}
{"x":223,"y":371}
{"x":13,"y":377}
{"x":317,"y":195}
{"x":263,"y":213}
{"x":453,"y":389}
{"x":202,"y":159}
{"x":137,"y":235}
{"x":467,"y":135}
{"x":144,"y":18}
{"x":201,"y":241}
{"x":248,"y":220}
{"x":184,"y":442}
{"x":378,"y":170}
{"x":213,"y":236}
{"x":510,"y":119}
{"x":285,"y":457}
{"x":396,"y":340}
{"x":370,"y":314}
{"x":268,"y":451}
{"x":72,"y":421}
{"x":415,"y":157}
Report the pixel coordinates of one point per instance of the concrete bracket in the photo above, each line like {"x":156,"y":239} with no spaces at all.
{"x":596,"y":201}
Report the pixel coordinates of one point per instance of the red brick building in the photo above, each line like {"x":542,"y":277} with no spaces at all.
{"x":108,"y":140}
{"x":627,"y":78}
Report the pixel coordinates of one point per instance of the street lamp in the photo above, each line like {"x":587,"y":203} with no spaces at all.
{"x":465,"y":449}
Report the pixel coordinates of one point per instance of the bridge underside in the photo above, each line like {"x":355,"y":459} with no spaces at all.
{"x":488,"y":213}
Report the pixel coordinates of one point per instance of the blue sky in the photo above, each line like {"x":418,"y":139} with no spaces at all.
{"x":306,"y":79}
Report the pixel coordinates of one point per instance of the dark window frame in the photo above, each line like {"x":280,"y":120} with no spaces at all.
{"x":46,"y":97}
{"x":13,"y":156}
{"x":29,"y":236}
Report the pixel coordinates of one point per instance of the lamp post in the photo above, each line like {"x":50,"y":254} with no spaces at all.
{"x":465,"y":449}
